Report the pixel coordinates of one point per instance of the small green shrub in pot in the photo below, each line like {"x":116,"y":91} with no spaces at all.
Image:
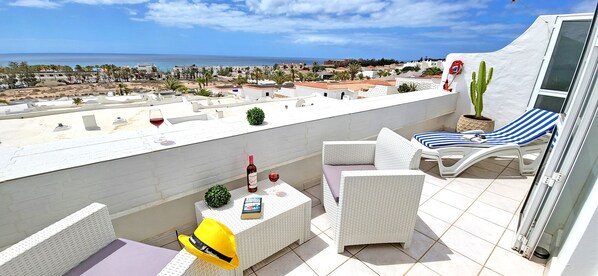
{"x":217,"y":196}
{"x":255,"y":116}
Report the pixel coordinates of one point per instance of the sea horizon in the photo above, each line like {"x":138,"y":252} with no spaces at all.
{"x":164,"y":62}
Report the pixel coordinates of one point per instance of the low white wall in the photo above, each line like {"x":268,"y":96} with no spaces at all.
{"x":289,"y":92}
{"x":378,"y":90}
{"x":129,"y":184}
{"x":516,"y":68}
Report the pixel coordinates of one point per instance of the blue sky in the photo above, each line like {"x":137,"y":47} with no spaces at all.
{"x":401,"y":29}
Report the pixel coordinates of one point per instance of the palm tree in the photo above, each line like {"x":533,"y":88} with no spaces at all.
{"x":353,"y":69}
{"x":200,"y":81}
{"x":293,"y":71}
{"x":257,"y":74}
{"x":123,"y":89}
{"x":432,"y":71}
{"x":301,"y":76}
{"x":173,"y":84}
{"x":240,"y":80}
{"x":341,"y":75}
{"x":279,"y":77}
{"x":315,"y":67}
{"x":77,"y":101}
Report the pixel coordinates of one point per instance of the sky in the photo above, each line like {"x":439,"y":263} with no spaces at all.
{"x":400,"y":29}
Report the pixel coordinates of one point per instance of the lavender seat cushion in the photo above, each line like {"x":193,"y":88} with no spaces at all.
{"x":125,"y":257}
{"x":333,"y":176}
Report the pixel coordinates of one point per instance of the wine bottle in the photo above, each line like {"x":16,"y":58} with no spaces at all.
{"x":251,"y":176}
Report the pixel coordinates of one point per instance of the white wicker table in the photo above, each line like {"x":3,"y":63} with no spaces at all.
{"x":284,"y":221}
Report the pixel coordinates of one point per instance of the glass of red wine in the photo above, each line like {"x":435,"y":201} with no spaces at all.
{"x":274,"y":176}
{"x":156,"y":119}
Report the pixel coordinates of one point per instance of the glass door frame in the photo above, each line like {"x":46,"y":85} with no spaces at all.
{"x":548,"y":55}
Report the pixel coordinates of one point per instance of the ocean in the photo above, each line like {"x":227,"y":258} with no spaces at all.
{"x":164,"y":62}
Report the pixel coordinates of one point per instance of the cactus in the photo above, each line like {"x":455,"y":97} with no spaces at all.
{"x":478,"y":88}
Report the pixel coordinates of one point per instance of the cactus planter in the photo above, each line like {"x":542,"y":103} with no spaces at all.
{"x":477,"y":89}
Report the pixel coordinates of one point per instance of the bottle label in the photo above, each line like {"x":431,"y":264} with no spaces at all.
{"x":252,"y":180}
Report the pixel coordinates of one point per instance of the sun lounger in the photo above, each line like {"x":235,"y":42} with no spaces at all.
{"x":90,"y":122}
{"x":526,"y":135}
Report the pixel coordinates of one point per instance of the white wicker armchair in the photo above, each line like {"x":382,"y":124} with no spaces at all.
{"x":65,"y":245}
{"x":371,"y":189}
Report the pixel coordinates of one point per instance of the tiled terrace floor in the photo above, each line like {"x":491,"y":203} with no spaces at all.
{"x":465,"y":227}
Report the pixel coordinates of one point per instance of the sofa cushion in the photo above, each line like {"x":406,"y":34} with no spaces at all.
{"x":394,"y":152}
{"x":332,"y":174}
{"x":125,"y":257}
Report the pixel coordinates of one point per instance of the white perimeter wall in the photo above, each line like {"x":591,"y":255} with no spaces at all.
{"x":378,"y":90}
{"x":516,"y":68}
{"x":133,"y":184}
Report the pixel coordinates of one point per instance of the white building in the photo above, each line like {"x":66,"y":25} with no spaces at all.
{"x":256,"y":92}
{"x":147,"y":68}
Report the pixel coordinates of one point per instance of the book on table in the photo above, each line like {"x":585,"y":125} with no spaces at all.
{"x":252,"y":208}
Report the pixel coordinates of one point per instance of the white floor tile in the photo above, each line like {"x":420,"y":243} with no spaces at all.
{"x":479,"y":227}
{"x":288,"y":264}
{"x":353,"y":267}
{"x":441,"y":210}
{"x":500,"y":202}
{"x":419,"y":245}
{"x":453,"y":199}
{"x":468,"y":190}
{"x":445,"y":261}
{"x":467,"y":244}
{"x":421,"y":270}
{"x":319,"y":218}
{"x":320,"y":254}
{"x":385,"y":259}
{"x":430,"y":226}
{"x":489,"y":213}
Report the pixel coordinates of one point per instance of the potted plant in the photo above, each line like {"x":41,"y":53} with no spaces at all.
{"x":255,"y":116}
{"x":476,"y":92}
{"x":217,"y":196}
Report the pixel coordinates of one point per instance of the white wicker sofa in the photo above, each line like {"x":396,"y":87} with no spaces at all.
{"x":371,"y":189}
{"x":84,"y":243}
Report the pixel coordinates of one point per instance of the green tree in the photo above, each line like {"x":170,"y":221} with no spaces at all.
{"x":279,"y":77}
{"x":173,"y":84}
{"x":77,"y":101}
{"x":240,"y":80}
{"x":123,"y":89}
{"x":293,"y":71}
{"x":407,"y":87}
{"x":432,"y":71}
{"x":341,"y":75}
{"x":257,"y":74}
{"x":353,"y":69}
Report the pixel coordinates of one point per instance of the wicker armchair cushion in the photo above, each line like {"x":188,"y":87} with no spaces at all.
{"x":125,"y":257}
{"x":333,"y":176}
{"x":394,"y":152}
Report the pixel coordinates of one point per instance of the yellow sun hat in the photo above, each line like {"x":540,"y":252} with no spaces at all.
{"x":213,"y":242}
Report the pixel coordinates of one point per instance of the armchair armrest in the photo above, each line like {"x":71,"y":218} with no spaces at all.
{"x":348,"y":152}
{"x":185,"y":263}
{"x":61,"y":246}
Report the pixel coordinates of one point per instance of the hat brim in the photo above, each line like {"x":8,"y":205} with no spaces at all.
{"x":234,"y":263}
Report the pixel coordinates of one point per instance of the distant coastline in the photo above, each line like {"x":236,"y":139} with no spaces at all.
{"x":163,"y":62}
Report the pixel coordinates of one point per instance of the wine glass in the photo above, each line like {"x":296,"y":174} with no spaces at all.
{"x":156,"y":119}
{"x":274,"y":176}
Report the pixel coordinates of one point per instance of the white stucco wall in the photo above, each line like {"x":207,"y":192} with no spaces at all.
{"x":289,"y":92}
{"x":378,"y":90}
{"x":252,"y":94}
{"x":516,"y":68}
